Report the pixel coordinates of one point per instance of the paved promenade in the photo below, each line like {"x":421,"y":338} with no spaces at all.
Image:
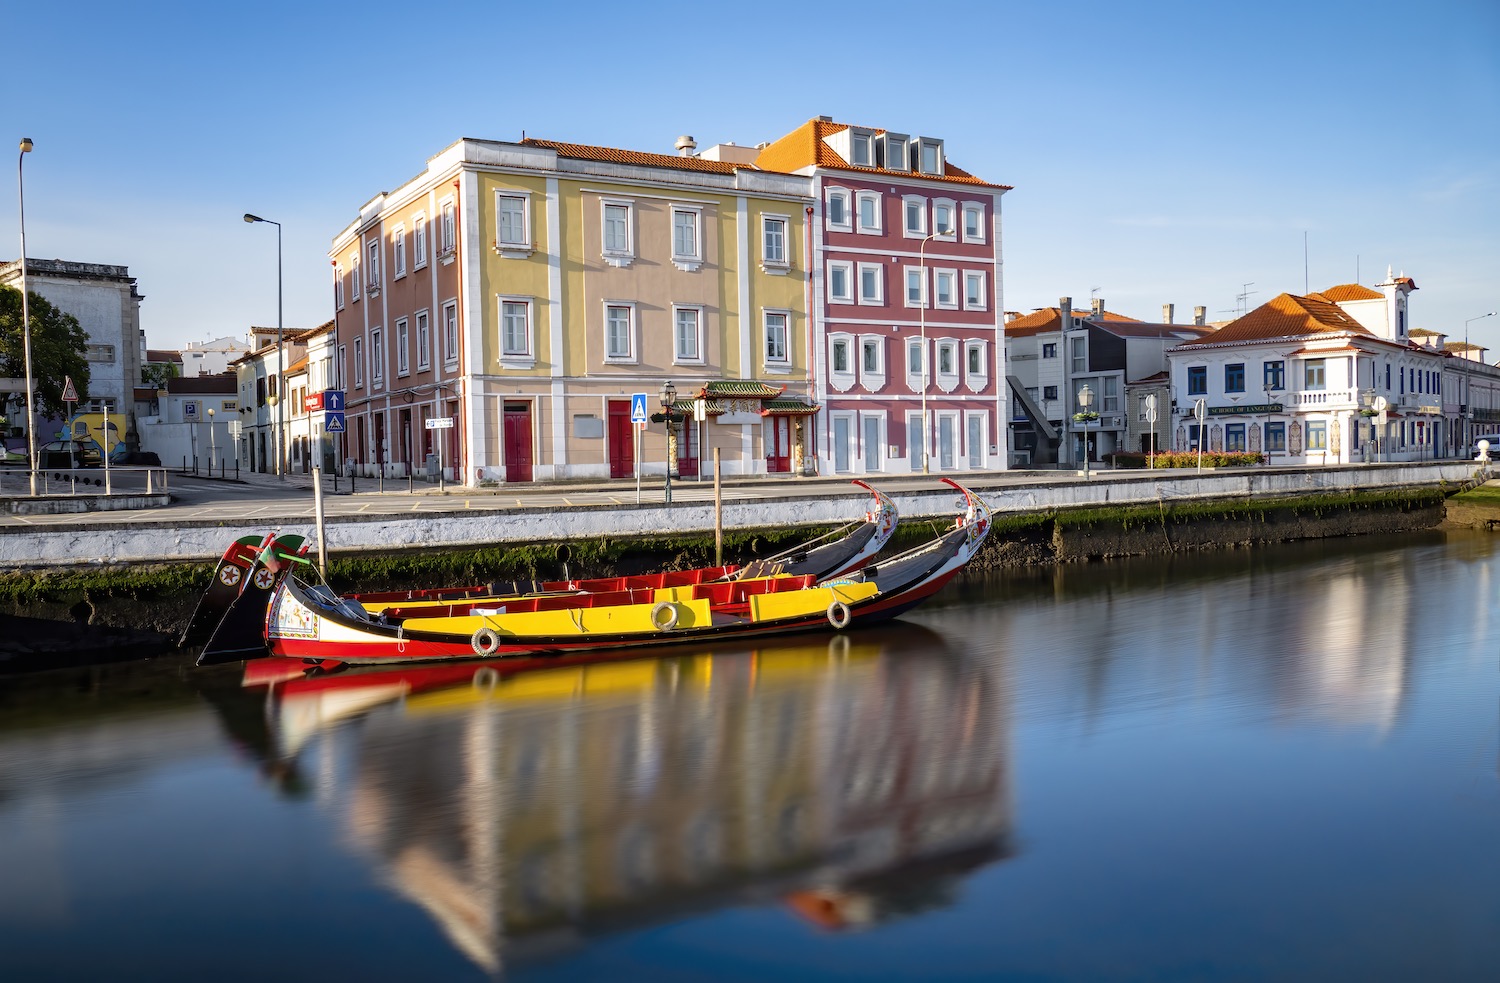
{"x":204,"y":514}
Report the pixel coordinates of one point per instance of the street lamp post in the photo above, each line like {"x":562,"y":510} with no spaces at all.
{"x":1086,"y":399}
{"x":922,"y":322}
{"x":1468,"y":404}
{"x":210,"y":441}
{"x":278,"y":439}
{"x":26,"y":319}
{"x":668,"y":397}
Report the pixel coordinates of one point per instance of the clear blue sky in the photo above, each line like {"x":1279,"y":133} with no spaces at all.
{"x":1160,"y":152}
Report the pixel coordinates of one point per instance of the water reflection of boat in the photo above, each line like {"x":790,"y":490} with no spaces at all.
{"x":526,"y":811}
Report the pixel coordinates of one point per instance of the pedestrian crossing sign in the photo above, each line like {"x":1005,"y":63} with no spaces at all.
{"x":638,"y":408}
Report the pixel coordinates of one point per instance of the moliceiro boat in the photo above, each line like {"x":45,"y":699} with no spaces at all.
{"x":308,"y":621}
{"x":229,"y":619}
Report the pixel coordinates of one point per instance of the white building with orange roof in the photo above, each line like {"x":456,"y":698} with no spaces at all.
{"x":906,"y":299}
{"x":1329,"y":378}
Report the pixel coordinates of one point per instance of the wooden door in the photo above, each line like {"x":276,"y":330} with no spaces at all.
{"x":621,"y":440}
{"x":779,"y":445}
{"x":517,"y":441}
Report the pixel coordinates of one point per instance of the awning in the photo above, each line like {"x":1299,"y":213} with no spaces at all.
{"x":787,"y":407}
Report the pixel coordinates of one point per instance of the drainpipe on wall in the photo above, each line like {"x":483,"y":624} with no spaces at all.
{"x":810,"y":451}
{"x":460,"y":460}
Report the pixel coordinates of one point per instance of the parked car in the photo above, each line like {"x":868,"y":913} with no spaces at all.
{"x":69,"y":454}
{"x":1494,"y":440}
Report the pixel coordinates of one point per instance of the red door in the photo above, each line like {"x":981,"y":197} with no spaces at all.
{"x":778,"y":445}
{"x":687,"y":448}
{"x":517,"y":441}
{"x":621,"y":440}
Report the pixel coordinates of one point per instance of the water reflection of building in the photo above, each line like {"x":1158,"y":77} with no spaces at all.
{"x":854,"y":784}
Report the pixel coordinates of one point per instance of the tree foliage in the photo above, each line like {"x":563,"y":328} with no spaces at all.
{"x":158,"y":374}
{"x":58,"y":347}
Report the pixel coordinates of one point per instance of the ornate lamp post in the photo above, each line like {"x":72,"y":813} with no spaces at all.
{"x":1085,"y":400}
{"x":669,"y":397}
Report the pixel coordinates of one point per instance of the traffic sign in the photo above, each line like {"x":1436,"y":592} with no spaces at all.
{"x":700,"y":410}
{"x":333,"y":422}
{"x":190,"y":410}
{"x":70,"y":394}
{"x":440,"y":423}
{"x":638,"y":408}
{"x":333,"y":400}
{"x":1151,"y":407}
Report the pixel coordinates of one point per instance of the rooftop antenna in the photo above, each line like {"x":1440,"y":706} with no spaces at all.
{"x":1242,"y":299}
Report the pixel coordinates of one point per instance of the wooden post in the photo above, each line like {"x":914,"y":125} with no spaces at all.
{"x":718,"y":514}
{"x":317,"y":477}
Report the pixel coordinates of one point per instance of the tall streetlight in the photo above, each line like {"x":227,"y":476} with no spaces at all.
{"x":210,"y":441}
{"x":278,"y":440}
{"x":1085,"y":400}
{"x":26,"y":319}
{"x":1468,"y":404}
{"x":922,"y":321}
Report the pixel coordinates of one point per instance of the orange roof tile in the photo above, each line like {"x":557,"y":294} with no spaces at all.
{"x":580,"y":151}
{"x":1287,"y":316}
{"x":1050,"y":319}
{"x":805,"y":147}
{"x":1349,"y":291}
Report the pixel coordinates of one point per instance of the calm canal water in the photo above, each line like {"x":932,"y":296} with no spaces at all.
{"x":1258,"y":765}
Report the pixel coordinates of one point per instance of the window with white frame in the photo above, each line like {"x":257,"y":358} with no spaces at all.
{"x":974,"y":352}
{"x":867,"y":212}
{"x":403,"y":340}
{"x":1110,"y":402}
{"x":861,"y":148}
{"x":773,"y":238}
{"x":619,"y":229}
{"x":418,"y":241}
{"x":947,"y":361}
{"x":338,"y":287}
{"x":400,"y":244}
{"x":946,"y":288}
{"x":354,"y":276}
{"x":837,"y":210}
{"x":619,"y":332}
{"x":687,"y":334}
{"x":377,"y":357}
{"x":450,"y":332}
{"x":840,"y":283}
{"x":896,"y":152}
{"x":512,"y":220}
{"x":839,"y":355}
{"x":930,"y":156}
{"x":424,"y":342}
{"x":974,"y":292}
{"x":515,"y":327}
{"x":973,"y":223}
{"x":359,"y":363}
{"x":914,"y":216}
{"x":777,"y":327}
{"x":872,"y":362}
{"x":372,"y":268}
{"x":942,"y":217}
{"x":450,"y":228}
{"x":687,"y":249}
{"x":871,"y":284}
{"x":916,"y":288}
{"x":338,"y":367}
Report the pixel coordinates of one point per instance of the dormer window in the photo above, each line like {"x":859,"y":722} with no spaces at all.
{"x":896,"y":154}
{"x":929,"y":156}
{"x":861,"y":148}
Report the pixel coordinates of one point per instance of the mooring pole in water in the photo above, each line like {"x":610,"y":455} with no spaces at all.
{"x":718,"y":514}
{"x":317,"y":476}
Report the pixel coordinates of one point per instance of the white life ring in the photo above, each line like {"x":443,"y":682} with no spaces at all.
{"x":839,"y":614}
{"x":486,"y":641}
{"x":664,"y":616}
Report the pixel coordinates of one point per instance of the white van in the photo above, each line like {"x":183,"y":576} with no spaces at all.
{"x":1493,"y":438}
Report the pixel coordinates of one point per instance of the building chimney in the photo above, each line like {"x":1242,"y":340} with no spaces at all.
{"x":1098,"y":308}
{"x":1167,"y":310}
{"x":686,"y":145}
{"x":1065,"y":307}
{"x":1200,"y":315}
